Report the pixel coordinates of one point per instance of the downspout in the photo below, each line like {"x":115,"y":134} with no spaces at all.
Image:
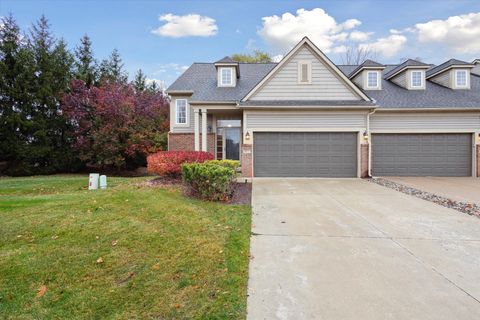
{"x":370,"y":142}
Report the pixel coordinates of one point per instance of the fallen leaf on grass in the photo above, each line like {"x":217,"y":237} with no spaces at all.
{"x":114,"y":242}
{"x":156,"y":266}
{"x":41,"y":291}
{"x":54,"y":237}
{"x":177,"y":306}
{"x":100,"y":260}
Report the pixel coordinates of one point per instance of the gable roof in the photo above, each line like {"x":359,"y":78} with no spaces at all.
{"x":447,"y":65}
{"x":434,"y":96}
{"x":201,"y":79}
{"x":367,"y":64}
{"x":410,"y":63}
{"x":226,"y":59}
{"x":321,"y":56}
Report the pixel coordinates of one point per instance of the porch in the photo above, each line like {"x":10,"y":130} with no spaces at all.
{"x":219,"y":131}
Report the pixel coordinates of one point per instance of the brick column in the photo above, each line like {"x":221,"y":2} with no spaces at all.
{"x":247,"y":160}
{"x":364,"y":160}
{"x":478,"y":160}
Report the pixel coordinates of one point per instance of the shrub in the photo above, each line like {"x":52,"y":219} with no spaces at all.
{"x":168,"y":163}
{"x":232,"y":164}
{"x":209,"y":181}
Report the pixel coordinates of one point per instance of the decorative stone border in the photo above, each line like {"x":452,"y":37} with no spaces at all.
{"x":469,"y":208}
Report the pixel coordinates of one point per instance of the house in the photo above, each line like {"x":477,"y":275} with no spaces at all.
{"x":307,"y":117}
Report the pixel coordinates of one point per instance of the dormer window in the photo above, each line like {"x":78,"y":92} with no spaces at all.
{"x":304,"y":72}
{"x":226,"y":77}
{"x":417,"y":81}
{"x":372,"y":79}
{"x":461,"y":78}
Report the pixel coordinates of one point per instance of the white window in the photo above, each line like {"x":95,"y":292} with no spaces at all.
{"x":372,"y":79}
{"x":226,"y":76}
{"x":417,"y":79}
{"x":304,"y":72}
{"x":181,"y":111}
{"x":461,"y":78}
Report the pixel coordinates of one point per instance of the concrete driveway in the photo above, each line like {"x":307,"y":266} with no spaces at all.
{"x":351,"y":249}
{"x":465,"y":189}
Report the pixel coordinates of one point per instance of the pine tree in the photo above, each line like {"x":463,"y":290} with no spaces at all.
{"x":16,"y":79}
{"x":47,"y":150}
{"x":111,"y":69}
{"x":85,"y":64}
{"x":140,"y":81}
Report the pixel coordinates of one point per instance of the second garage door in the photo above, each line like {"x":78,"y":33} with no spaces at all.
{"x":448,"y":154}
{"x":305,"y":154}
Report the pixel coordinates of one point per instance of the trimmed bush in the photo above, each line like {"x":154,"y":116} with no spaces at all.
{"x":209,"y":181}
{"x":169,"y":163}
{"x":232,"y":164}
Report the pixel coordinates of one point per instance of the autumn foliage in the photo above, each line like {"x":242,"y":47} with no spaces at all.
{"x":169,"y":163}
{"x":115,"y":125}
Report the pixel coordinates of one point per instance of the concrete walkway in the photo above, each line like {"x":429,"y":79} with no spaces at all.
{"x":465,"y":189}
{"x":350,"y":249}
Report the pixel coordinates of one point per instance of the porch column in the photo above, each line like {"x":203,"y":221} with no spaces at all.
{"x":204,"y":130}
{"x":197,"y":129}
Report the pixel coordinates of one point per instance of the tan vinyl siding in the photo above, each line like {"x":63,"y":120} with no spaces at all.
{"x":284,"y":84}
{"x":189,"y":127}
{"x":358,"y":80}
{"x":443,"y":79}
{"x":425,"y":121}
{"x":278,"y":120}
{"x":400,"y":80}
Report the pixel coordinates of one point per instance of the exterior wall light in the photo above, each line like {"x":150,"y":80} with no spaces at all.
{"x":365,"y":136}
{"x":247,"y":136}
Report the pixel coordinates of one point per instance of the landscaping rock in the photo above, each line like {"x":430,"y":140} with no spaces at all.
{"x":469,"y":208}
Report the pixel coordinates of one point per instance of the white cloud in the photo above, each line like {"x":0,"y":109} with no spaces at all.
{"x":388,"y":46}
{"x":340,"y":49}
{"x":190,"y":25}
{"x":283,"y":32}
{"x":160,"y":83}
{"x":277,"y":58}
{"x":171,"y":68}
{"x":458,"y":33}
{"x":360,"y":36}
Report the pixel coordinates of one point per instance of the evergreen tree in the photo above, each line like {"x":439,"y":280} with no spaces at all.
{"x":47,"y":148}
{"x":111,"y":69}
{"x":85,"y":64}
{"x":16,"y":79}
{"x":140,"y":81}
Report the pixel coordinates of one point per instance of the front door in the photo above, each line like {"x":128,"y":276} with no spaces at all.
{"x":232,"y":143}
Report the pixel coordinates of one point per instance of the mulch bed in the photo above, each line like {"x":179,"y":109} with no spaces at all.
{"x":242,"y":192}
{"x":468,"y":208}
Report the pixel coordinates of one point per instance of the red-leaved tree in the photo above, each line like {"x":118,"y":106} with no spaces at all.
{"x":115,"y":125}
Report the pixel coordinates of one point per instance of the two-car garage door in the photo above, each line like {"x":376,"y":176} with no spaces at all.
{"x":433,"y":154}
{"x":305,"y":154}
{"x":334,"y":154}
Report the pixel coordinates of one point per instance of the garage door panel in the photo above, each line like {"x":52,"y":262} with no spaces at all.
{"x":422,"y":154}
{"x":305,"y":154}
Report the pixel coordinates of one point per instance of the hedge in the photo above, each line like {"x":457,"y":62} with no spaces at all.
{"x":168,"y":163}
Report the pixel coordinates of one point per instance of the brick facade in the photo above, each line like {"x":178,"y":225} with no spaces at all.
{"x":247,"y":160}
{"x":478,"y":160}
{"x":186,"y":142}
{"x":364,"y":160}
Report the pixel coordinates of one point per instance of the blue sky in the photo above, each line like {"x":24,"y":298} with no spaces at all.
{"x":205,"y":31}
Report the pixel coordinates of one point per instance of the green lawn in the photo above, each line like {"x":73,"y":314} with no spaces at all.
{"x":164,"y":256}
